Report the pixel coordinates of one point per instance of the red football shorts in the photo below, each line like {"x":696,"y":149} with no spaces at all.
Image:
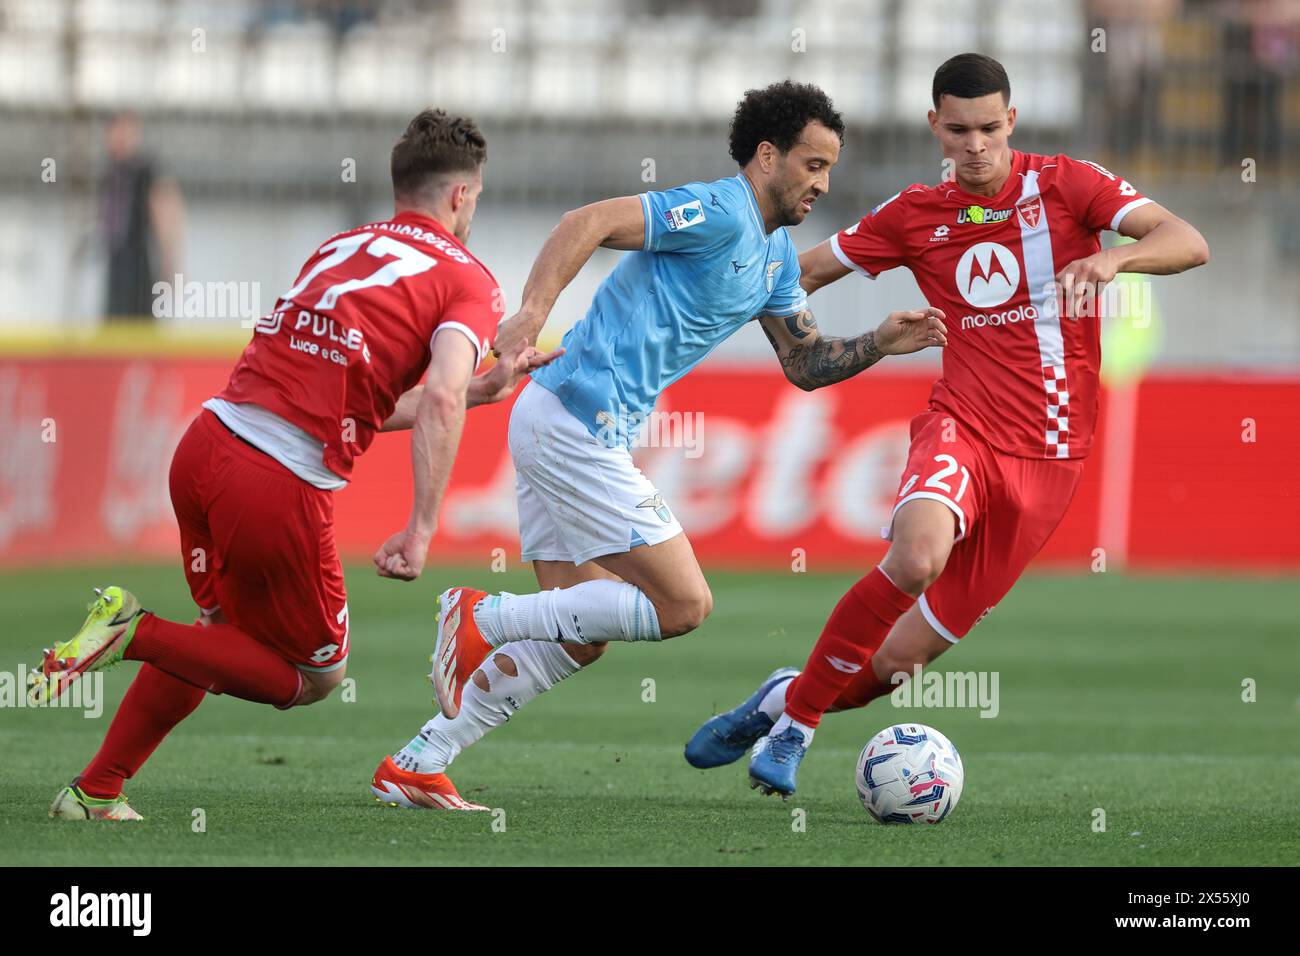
{"x":258,"y":542}
{"x":1006,"y":509}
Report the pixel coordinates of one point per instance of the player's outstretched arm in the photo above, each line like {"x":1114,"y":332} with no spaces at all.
{"x":435,"y":436}
{"x":500,"y":382}
{"x":811,"y":360}
{"x":819,"y":266}
{"x":612,"y":223}
{"x":496,"y":385}
{"x":1165,"y":245}
{"x":403,"y":416}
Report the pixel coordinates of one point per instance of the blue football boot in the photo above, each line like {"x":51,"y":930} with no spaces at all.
{"x":775,"y":762}
{"x":725,"y":738}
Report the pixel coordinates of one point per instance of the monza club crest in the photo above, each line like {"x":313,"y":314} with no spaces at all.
{"x":1031,"y":211}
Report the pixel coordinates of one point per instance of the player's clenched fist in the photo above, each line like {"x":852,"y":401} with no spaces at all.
{"x":402,"y":556}
{"x":1082,"y":279}
{"x":911,"y":331}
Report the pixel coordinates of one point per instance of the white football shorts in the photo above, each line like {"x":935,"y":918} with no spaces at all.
{"x":578,"y":499}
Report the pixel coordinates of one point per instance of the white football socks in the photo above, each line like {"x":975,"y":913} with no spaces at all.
{"x":586,"y":613}
{"x":539,"y":666}
{"x":784,"y":721}
{"x":773,"y":702}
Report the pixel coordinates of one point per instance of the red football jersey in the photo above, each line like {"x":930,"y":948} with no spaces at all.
{"x":1015,"y":369}
{"x":356,"y":330}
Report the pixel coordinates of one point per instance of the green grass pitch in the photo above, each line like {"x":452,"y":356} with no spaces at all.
{"x":1123,"y":694}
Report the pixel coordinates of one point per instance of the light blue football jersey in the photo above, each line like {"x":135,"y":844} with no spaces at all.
{"x":707,"y":267}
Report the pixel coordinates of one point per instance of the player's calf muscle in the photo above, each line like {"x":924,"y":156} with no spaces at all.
{"x":912,"y":641}
{"x":903,"y":655}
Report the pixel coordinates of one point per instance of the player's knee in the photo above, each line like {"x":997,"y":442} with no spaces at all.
{"x":316,"y":687}
{"x":892,"y":660}
{"x":914,"y":566}
{"x":687,"y":612}
{"x":706,"y":605}
{"x":584,"y":654}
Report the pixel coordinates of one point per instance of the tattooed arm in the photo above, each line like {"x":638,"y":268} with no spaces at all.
{"x":811,"y":360}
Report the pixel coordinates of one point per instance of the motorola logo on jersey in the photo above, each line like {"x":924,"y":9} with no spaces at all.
{"x":987,"y":274}
{"x":1020,"y":313}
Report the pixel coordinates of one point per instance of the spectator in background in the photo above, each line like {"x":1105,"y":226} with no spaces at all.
{"x":142,"y":215}
{"x":1131,"y":64}
{"x":1261,"y":48}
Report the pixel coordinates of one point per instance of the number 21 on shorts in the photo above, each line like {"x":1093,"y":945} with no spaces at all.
{"x":950,"y":468}
{"x":937,"y":480}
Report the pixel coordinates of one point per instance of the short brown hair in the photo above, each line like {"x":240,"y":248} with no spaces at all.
{"x":433,"y":145}
{"x":969,"y":76}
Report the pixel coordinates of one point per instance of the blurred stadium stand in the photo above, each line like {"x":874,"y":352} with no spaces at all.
{"x":254,"y":108}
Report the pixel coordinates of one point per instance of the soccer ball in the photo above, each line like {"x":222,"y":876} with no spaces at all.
{"x":909,"y":773}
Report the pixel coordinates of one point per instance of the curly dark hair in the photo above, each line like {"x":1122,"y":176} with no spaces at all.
{"x":435,"y":143}
{"x":777,"y":114}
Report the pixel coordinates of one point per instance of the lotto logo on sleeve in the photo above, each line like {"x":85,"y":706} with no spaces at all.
{"x":685,"y":215}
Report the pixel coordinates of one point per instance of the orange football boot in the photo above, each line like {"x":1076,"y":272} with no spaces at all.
{"x":417,"y":791}
{"x":460,"y":648}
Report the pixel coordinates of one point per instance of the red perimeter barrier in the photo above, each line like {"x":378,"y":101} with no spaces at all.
{"x":1209,"y":479}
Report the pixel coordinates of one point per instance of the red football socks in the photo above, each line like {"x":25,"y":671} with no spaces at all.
{"x":154,"y":704}
{"x":862,"y":690}
{"x":220,"y":658}
{"x":842,"y":656}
